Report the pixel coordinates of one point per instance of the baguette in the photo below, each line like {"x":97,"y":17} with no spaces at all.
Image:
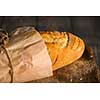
{"x":63,"y":48}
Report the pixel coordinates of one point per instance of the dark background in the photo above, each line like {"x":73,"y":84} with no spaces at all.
{"x":88,"y":28}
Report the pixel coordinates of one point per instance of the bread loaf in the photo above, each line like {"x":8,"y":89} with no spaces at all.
{"x":64,"y":48}
{"x":31,"y":55}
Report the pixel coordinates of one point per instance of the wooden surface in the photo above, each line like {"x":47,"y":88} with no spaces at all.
{"x":84,"y":70}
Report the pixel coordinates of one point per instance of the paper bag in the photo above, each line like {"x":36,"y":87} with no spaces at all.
{"x":29,"y":57}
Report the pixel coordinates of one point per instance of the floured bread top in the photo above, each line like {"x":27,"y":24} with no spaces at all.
{"x":59,"y":39}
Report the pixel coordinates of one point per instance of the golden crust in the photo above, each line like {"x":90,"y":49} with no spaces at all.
{"x":66,"y":49}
